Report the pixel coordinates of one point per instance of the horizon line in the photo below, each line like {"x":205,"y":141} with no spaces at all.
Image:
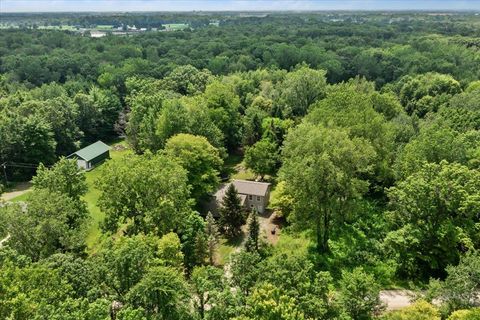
{"x":256,"y":11}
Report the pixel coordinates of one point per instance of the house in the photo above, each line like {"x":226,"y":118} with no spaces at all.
{"x":252,"y":195}
{"x":92,"y":155}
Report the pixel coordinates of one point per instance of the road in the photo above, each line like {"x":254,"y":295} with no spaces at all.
{"x":396,"y":299}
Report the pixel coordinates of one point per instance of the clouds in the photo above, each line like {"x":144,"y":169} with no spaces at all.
{"x":231,"y":5}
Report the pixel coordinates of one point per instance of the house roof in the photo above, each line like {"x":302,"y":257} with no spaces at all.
{"x":92,"y":151}
{"x":251,"y":187}
{"x":244,"y":188}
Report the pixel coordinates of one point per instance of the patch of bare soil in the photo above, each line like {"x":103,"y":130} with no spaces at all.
{"x":270,"y":226}
{"x":119,"y":147}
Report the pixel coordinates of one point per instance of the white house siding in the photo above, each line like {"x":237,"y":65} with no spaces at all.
{"x":81,"y":164}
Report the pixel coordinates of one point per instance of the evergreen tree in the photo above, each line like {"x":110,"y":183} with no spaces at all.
{"x":231,"y":213}
{"x":253,"y":232}
{"x":201,"y":248}
{"x":211,"y":232}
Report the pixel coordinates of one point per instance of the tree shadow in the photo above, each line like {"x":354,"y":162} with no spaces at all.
{"x":236,"y":240}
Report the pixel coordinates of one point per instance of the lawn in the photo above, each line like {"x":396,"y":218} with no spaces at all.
{"x":235,"y":168}
{"x":91,"y":197}
{"x":176,"y":26}
{"x":104,"y":27}
{"x":227,"y":247}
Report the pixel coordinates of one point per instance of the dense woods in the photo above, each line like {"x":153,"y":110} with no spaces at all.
{"x":366,"y":125}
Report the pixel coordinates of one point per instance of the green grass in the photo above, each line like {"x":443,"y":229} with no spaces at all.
{"x":235,"y":168}
{"x":21,"y":197}
{"x":91,"y":197}
{"x":176,"y":26}
{"x":227,"y":247}
{"x":104,"y":27}
{"x":243,"y":173}
{"x":294,"y":243}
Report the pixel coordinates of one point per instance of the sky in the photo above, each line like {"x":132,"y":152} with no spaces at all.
{"x":232,"y":5}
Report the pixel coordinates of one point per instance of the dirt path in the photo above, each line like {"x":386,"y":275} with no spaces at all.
{"x":4,"y":240}
{"x":19,"y":189}
{"x":396,"y":299}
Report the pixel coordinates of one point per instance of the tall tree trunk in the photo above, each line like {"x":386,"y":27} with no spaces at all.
{"x":319,"y":234}
{"x":326,"y":229}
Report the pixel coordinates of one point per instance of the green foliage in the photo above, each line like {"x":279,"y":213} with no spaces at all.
{"x":48,"y":223}
{"x":208,"y":283}
{"x":268,"y":303}
{"x":17,"y":135}
{"x":420,"y":310}
{"x":162,"y":293}
{"x":63,"y":177}
{"x":323,"y":169}
{"x":432,"y":218}
{"x":352,"y":106}
{"x":436,"y":143}
{"x":212,"y":234}
{"x":232,"y":216}
{"x":187,"y":80}
{"x":471,"y":314}
{"x":123,"y":262}
{"x":425,"y":93}
{"x":146,"y":193}
{"x":223,"y":105}
{"x":245,"y":271}
{"x":253,"y":233}
{"x":300,"y":89}
{"x":275,"y":129}
{"x":359,"y":293}
{"x":252,"y":124}
{"x":262,"y":158}
{"x":33,"y":292}
{"x":243,"y":84}
{"x":201,"y":161}
{"x":460,"y":288}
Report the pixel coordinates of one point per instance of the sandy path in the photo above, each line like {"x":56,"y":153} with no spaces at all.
{"x":396,"y":299}
{"x":19,"y":189}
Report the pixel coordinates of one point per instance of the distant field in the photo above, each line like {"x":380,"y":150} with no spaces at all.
{"x":104,"y":27}
{"x":8,"y":26}
{"x":176,"y":26}
{"x":62,"y":27}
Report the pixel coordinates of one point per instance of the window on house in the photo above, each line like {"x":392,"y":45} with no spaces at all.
{"x":258,"y":198}
{"x":251,"y":206}
{"x":250,"y":197}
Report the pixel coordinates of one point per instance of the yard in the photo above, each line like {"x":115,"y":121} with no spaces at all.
{"x":235,"y":169}
{"x":118,"y":150}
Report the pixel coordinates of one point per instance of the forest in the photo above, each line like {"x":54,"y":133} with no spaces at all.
{"x":366,"y":125}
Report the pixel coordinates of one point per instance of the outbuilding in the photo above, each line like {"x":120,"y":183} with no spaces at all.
{"x":92,"y":155}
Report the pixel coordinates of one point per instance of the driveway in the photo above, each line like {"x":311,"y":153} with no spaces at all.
{"x":396,"y":299}
{"x":19,"y":189}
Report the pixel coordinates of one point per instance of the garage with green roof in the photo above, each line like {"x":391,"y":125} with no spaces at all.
{"x":91,"y":156}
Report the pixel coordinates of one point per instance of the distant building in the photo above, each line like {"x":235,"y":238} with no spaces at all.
{"x":252,"y":195}
{"x":97,"y":34}
{"x":92,"y":155}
